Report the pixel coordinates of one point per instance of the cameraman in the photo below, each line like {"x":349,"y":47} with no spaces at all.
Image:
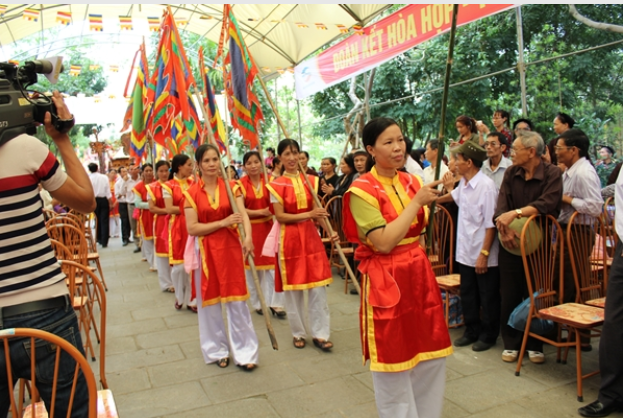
{"x":33,"y":293}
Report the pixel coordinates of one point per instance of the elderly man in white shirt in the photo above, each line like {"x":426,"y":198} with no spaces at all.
{"x":496,"y":164}
{"x":128,"y":185}
{"x":103,"y":197}
{"x":123,"y":201}
{"x":477,"y":247}
{"x":581,"y":191}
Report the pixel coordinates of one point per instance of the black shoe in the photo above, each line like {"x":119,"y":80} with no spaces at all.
{"x":353,"y":291}
{"x":463,"y":341}
{"x":597,"y":409}
{"x":125,"y":243}
{"x":481,"y":346}
{"x":138,"y":250}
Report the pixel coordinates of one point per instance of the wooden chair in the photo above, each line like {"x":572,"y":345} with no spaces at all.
{"x":442,"y":246}
{"x":35,"y":340}
{"x":48,"y":214}
{"x":334,"y":209}
{"x":539,"y":267}
{"x":61,"y":252}
{"x":589,"y":264}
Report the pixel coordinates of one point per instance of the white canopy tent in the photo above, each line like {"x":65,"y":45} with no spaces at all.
{"x":279,"y":36}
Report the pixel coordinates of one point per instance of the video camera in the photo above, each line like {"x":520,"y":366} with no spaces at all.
{"x":19,"y":110}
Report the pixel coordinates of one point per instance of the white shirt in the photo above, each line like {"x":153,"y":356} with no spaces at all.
{"x":581,"y":182}
{"x":496,"y":175}
{"x":101,"y":186}
{"x":429,"y":174}
{"x":119,"y":193}
{"x":128,"y":185}
{"x":618,"y":201}
{"x":414,"y":168}
{"x":477,"y":200}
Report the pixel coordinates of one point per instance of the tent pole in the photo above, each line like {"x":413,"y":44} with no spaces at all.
{"x":521,"y":65}
{"x":442,"y":124}
{"x":298,"y":111}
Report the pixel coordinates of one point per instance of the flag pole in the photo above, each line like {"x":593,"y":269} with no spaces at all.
{"x":327,"y":224}
{"x":442,"y":124}
{"x":234,"y":207}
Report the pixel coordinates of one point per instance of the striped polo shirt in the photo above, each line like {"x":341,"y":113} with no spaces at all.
{"x":28,"y":267}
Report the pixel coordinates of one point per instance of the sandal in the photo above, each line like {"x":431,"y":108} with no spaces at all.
{"x":222,"y":363}
{"x":259,"y":312}
{"x":299,"y":342}
{"x":192,"y":308}
{"x":247,"y":367}
{"x":178,"y":306}
{"x":323,"y":344}
{"x":170,"y":290}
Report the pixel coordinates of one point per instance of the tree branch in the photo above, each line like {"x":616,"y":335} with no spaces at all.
{"x":597,"y":25}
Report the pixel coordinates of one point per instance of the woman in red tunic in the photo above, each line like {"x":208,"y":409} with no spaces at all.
{"x":173,"y":193}
{"x":161,"y":226}
{"x":114,"y":205}
{"x":210,"y":217}
{"x":403,"y":332}
{"x":257,"y":203}
{"x":302,"y":259}
{"x":145,"y":222}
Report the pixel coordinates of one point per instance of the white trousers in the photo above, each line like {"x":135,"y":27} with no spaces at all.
{"x":181,"y":283}
{"x":267,"y":283}
{"x":113,"y":222}
{"x":242,"y":343}
{"x":317,"y":312}
{"x":147,"y":250}
{"x":415,"y":393}
{"x":164,"y":273}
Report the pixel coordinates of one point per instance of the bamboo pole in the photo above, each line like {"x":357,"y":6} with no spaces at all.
{"x":442,"y":124}
{"x":313,"y":193}
{"x":234,"y":207}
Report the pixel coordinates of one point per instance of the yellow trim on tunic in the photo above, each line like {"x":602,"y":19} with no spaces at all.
{"x":275,"y":194}
{"x":299,"y":190}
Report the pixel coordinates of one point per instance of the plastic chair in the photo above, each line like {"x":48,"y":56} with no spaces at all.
{"x":539,"y":268}
{"x":443,"y":245}
{"x":41,"y":340}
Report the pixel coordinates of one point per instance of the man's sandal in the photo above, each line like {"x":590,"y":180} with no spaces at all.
{"x":222,"y":363}
{"x":247,"y":367}
{"x":323,"y":344}
{"x":299,"y":342}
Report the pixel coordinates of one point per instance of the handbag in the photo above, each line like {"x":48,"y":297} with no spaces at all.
{"x":519,"y":318}
{"x":136,"y":213}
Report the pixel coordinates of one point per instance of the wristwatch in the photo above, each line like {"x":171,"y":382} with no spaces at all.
{"x":485,"y":253}
{"x":519,"y":213}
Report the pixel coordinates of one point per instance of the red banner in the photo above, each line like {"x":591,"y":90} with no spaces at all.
{"x":382,"y":41}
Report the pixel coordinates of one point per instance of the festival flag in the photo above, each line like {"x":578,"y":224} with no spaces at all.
{"x":125,"y":23}
{"x":170,"y":87}
{"x":181,"y":22}
{"x":342,"y":28}
{"x":135,"y":113}
{"x":154,"y":23}
{"x":209,"y":101}
{"x":114,"y":68}
{"x":3,"y":8}
{"x":64,"y":18}
{"x":358,"y":29}
{"x":31,"y":15}
{"x":96,"y":23}
{"x":320,"y":26}
{"x":74,"y":70}
{"x":94,"y":67}
{"x":301,"y":25}
{"x":243,"y":103}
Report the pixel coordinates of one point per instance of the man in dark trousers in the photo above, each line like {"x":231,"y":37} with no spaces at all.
{"x":103,"y":196}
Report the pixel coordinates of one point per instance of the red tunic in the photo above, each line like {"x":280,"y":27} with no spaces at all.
{"x":401,"y":315}
{"x":161,"y":222}
{"x":303,"y":262}
{"x":222,"y":265}
{"x":146,"y":220}
{"x":178,"y":234}
{"x":114,"y":211}
{"x":256,"y":200}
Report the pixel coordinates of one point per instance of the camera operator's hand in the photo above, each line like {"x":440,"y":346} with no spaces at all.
{"x":62,"y":112}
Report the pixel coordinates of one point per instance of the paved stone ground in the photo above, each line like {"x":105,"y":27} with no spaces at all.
{"x":155,"y":368}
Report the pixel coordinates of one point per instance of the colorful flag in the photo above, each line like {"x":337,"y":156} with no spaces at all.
{"x":74,"y":70}
{"x":125,"y":23}
{"x":320,"y":26}
{"x":181,"y":22}
{"x":64,"y":18}
{"x":31,"y":15}
{"x":301,"y":25}
{"x":209,"y":101}
{"x":135,"y":113}
{"x":96,"y":23}
{"x":342,"y":28}
{"x":154,"y":23}
{"x":114,"y":68}
{"x":94,"y":67}
{"x":243,"y":104}
{"x":170,"y":87}
{"x":3,"y":8}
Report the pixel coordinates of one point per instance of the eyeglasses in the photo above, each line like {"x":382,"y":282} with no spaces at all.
{"x":491,"y":144}
{"x":559,"y":147}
